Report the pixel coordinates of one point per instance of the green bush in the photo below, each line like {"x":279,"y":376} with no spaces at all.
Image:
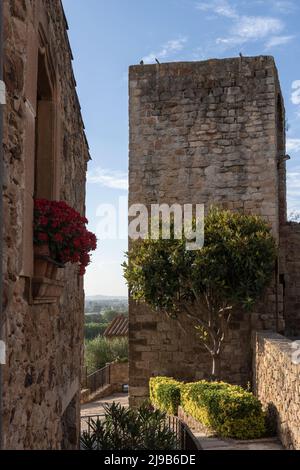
{"x":129,"y":429}
{"x":165,"y":394}
{"x":229,"y":410}
{"x":99,"y":351}
{"x":91,"y":330}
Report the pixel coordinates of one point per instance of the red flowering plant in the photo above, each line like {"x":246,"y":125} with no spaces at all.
{"x":64,"y":230}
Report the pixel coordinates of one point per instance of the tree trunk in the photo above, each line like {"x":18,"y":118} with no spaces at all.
{"x":216,"y":366}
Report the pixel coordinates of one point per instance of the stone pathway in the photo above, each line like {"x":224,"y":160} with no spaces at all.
{"x":215,"y":443}
{"x":209,"y":441}
{"x":96,"y":407}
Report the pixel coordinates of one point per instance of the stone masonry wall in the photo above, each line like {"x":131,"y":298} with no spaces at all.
{"x":119,"y":375}
{"x":204,"y":132}
{"x":44,"y":342}
{"x":277,"y":383}
{"x":290,"y":276}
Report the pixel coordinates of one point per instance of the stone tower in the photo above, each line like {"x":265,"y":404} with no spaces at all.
{"x":209,"y":132}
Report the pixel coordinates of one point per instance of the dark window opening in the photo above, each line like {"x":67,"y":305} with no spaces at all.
{"x":44,"y":151}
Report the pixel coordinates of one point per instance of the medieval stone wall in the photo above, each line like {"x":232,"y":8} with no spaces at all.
{"x":204,"y":132}
{"x":44,"y":341}
{"x":290,"y":276}
{"x":276,"y":383}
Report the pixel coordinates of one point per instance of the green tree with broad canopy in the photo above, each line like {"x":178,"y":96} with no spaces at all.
{"x":230,"y":272}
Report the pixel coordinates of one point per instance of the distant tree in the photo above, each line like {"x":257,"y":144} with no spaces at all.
{"x":230,"y":271}
{"x":110,"y":313}
{"x":92,"y":330}
{"x":100,"y":350}
{"x":94,"y":318}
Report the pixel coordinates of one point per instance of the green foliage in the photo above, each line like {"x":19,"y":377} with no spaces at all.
{"x":94,"y":318}
{"x":231,"y":271}
{"x":229,"y":410}
{"x":109,"y":314}
{"x":105,"y":317}
{"x":165,"y":394}
{"x":235,"y":264}
{"x":92,"y":330}
{"x":100,"y":351}
{"x":128,"y":429}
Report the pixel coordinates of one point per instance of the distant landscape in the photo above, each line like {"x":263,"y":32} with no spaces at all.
{"x":101,"y":303}
{"x":100,"y":310}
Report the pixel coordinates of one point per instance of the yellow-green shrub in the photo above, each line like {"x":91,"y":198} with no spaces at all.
{"x":165,"y":394}
{"x":228,"y":409}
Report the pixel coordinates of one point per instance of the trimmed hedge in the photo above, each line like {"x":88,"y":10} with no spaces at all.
{"x":165,"y":394}
{"x":227,"y":409}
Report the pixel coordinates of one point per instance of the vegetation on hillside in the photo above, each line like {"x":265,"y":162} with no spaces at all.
{"x":97,"y":305}
{"x":92,"y":330}
{"x":96,"y":323}
{"x":99,"y":351}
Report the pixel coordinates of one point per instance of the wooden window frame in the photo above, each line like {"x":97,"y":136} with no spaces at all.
{"x":38,"y":47}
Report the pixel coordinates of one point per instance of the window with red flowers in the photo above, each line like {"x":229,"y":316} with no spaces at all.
{"x":64,"y":231}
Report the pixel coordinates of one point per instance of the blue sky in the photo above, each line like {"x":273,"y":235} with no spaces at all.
{"x":108,"y":36}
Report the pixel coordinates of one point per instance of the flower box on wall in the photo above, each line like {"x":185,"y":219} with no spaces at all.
{"x":44,"y":265}
{"x":46,"y":291}
{"x":47,"y":285}
{"x":60,"y":237}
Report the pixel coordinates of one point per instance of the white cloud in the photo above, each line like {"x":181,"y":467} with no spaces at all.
{"x":295,"y":97}
{"x":219,"y":7}
{"x":278,"y":41}
{"x":293,"y":188}
{"x":229,"y":41}
{"x":109,"y":178}
{"x":293,"y":145}
{"x":284,"y":6}
{"x":168,"y":49}
{"x":252,"y":28}
{"x":247,"y":28}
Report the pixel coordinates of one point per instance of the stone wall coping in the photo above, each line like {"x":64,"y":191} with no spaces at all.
{"x":276,"y":383}
{"x":182,"y":64}
{"x":283,"y":343}
{"x":274,"y":337}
